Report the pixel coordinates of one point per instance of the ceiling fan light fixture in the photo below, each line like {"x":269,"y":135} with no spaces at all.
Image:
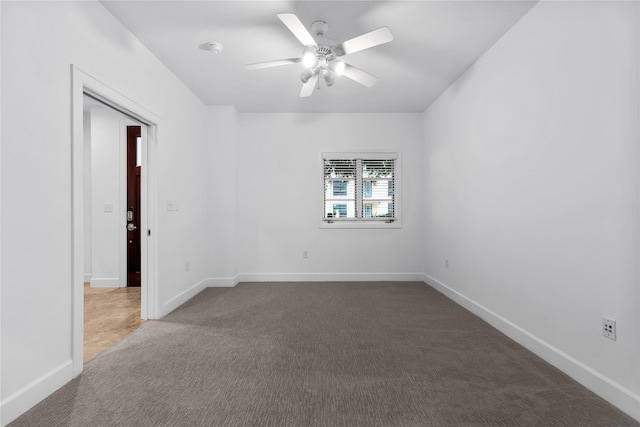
{"x":306,"y":75}
{"x":329,"y":77}
{"x":322,"y":62}
{"x":309,"y":57}
{"x":338,"y":67}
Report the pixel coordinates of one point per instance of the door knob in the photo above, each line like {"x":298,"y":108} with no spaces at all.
{"x":131,"y":227}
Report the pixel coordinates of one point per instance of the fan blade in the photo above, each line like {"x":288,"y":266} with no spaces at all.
{"x":276,"y":63}
{"x":293,"y":23}
{"x":372,"y":38}
{"x":309,"y":86}
{"x":359,"y":76}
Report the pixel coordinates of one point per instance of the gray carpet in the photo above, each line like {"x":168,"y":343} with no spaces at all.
{"x":321,"y":354}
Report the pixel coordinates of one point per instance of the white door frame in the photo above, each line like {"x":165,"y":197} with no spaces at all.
{"x":82,"y":83}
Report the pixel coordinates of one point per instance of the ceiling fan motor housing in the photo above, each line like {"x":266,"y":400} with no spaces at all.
{"x":327,"y":52}
{"x":325,"y":46}
{"x":324,"y":55}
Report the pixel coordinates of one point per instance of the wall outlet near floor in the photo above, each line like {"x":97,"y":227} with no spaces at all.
{"x":609,"y":328}
{"x":446,"y":263}
{"x":186,"y":266}
{"x":305,"y":254}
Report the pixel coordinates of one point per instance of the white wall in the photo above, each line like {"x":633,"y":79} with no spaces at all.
{"x":182,"y":236}
{"x":108,"y":187}
{"x":280,"y":190}
{"x":222,"y":122}
{"x":36,"y":206}
{"x":532,"y":189}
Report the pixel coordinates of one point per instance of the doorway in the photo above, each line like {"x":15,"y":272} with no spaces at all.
{"x":84,"y":84}
{"x":112,"y":197}
{"x":134,"y":164}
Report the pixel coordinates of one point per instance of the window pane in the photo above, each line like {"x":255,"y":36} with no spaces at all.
{"x":378,"y":187}
{"x":138,"y":151}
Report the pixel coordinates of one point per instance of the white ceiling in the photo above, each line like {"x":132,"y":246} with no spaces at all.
{"x":434,"y":43}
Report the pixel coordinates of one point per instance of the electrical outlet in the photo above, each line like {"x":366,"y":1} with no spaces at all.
{"x":186,"y":266}
{"x":609,"y":328}
{"x":305,"y":254}
{"x":446,"y":263}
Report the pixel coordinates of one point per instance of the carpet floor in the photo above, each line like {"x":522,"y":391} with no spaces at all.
{"x":321,"y":354}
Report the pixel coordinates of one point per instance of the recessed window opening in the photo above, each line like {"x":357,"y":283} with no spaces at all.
{"x":359,"y":188}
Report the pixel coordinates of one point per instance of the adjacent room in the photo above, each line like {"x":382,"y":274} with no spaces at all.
{"x":348,"y":213}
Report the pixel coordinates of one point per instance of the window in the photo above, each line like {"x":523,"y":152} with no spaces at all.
{"x":359,"y":188}
{"x":339,"y":188}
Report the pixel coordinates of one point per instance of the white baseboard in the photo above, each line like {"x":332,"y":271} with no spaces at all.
{"x":27,"y":397}
{"x":112,"y":282}
{"x":87,"y":277}
{"x":331,"y":277}
{"x":613,"y":392}
{"x":182,"y":297}
{"x":223,"y":282}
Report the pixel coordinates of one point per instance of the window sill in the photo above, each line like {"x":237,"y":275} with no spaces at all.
{"x":360,"y":224}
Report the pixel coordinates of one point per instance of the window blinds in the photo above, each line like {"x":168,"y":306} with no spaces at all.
{"x":359,"y":188}
{"x":340,"y":188}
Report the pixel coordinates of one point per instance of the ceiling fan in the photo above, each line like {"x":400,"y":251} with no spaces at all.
{"x":320,"y":58}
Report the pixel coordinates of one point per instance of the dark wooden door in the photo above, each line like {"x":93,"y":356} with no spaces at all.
{"x":133,"y":206}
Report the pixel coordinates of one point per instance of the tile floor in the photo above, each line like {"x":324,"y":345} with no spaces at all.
{"x":110,"y":314}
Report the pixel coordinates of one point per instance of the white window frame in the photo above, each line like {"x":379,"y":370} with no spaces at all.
{"x":360,"y":222}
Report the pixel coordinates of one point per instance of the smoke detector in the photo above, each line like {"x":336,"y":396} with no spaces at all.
{"x":215,"y":47}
